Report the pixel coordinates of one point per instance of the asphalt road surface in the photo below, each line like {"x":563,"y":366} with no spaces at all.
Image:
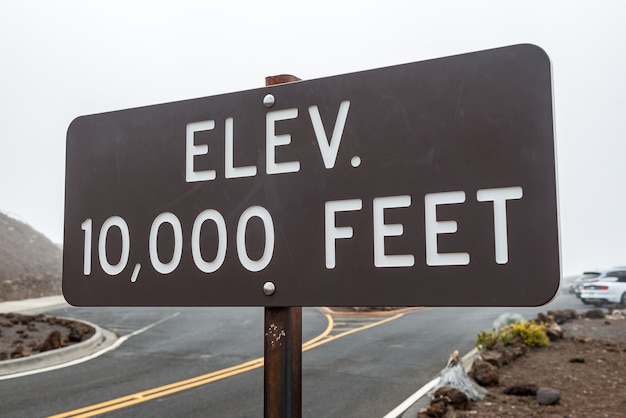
{"x":206,"y":362}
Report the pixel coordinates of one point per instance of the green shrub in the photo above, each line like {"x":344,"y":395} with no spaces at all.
{"x":532,"y":334}
{"x":486,"y":340}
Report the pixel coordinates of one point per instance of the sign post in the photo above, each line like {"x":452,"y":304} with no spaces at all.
{"x":430,"y":183}
{"x":282,"y":372}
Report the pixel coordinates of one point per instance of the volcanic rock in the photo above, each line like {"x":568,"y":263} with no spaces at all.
{"x":548,"y":396}
{"x":595,"y":314}
{"x":524,"y":389}
{"x":52,"y":342}
{"x":484,"y":373}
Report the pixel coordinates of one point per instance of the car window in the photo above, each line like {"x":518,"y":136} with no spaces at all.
{"x":587,"y":276}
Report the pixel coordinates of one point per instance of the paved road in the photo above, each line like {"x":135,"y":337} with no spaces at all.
{"x":363,"y":368}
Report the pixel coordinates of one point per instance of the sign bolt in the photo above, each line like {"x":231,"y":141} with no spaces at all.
{"x":269,"y":100}
{"x":269,"y":288}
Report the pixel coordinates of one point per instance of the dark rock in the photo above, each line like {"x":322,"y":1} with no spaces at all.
{"x":78,"y":332}
{"x":543,"y":318}
{"x":548,"y":396}
{"x":595,"y":314}
{"x":518,"y":348}
{"x":25,"y":319}
{"x":570,"y":313}
{"x":497,"y":358}
{"x":521,"y":390}
{"x":64,"y":322}
{"x":3,"y":356}
{"x":484,"y":373}
{"x":20,"y":351}
{"x":560,"y":318}
{"x":616,"y":307}
{"x":554,"y":332}
{"x":577,"y":360}
{"x":612,"y":347}
{"x":507,"y":354}
{"x":76,"y":335}
{"x":454,"y":397}
{"x":52,"y":342}
{"x":436,"y":409}
{"x":5,"y":322}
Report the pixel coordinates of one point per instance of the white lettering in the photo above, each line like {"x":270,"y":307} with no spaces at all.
{"x":86,"y":226}
{"x":333,"y":232}
{"x":113,"y":269}
{"x":209,"y":266}
{"x":192,"y":150}
{"x":329,"y":150}
{"x":434,"y":227}
{"x":499,"y":197}
{"x":268,"y":251}
{"x":229,"y":148}
{"x":170,"y":218}
{"x":272,"y":141}
{"x":382,"y":230}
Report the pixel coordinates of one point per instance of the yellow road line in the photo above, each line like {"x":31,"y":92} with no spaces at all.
{"x":352,"y":331}
{"x":139,"y":397}
{"x":166,"y":389}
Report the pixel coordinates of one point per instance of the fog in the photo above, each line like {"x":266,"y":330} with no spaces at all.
{"x":64,"y":59}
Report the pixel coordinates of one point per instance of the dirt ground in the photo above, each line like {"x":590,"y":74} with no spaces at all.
{"x":588,"y":367}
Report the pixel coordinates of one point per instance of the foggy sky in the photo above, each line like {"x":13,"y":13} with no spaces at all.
{"x":63,"y":59}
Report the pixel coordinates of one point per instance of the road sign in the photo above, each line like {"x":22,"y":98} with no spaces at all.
{"x":430,"y":183}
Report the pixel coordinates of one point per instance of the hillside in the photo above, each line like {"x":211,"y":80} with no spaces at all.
{"x":30,"y":264}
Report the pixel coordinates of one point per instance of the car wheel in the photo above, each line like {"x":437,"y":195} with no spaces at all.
{"x":624,"y":299}
{"x":585,"y":301}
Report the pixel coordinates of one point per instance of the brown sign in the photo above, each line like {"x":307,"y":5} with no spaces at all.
{"x":431,"y":183}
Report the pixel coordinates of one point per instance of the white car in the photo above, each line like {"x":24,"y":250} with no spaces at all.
{"x":595,"y":276}
{"x":607,"y":290}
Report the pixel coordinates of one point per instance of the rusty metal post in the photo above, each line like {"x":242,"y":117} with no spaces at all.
{"x":283,"y":363}
{"x":282,"y":395}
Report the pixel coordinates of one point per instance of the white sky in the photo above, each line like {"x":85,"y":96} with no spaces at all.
{"x":63,"y":59}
